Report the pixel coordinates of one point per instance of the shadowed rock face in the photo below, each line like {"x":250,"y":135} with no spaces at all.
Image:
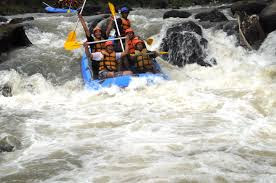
{"x":268,"y":18}
{"x":249,"y":7}
{"x":185,"y":45}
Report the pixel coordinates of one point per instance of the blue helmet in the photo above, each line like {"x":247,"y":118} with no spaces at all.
{"x":124,"y":10}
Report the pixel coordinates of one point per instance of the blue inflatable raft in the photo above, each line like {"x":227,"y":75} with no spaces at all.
{"x":120,"y":81}
{"x":50,"y":9}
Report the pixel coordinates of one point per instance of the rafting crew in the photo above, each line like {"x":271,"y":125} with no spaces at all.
{"x":109,"y":60}
{"x":143,"y":58}
{"x":97,"y":35}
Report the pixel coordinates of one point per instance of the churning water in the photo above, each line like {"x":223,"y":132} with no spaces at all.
{"x":214,"y":124}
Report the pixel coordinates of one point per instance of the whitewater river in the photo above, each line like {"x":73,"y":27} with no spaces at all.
{"x":214,"y":124}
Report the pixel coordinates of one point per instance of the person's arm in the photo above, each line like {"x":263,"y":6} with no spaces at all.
{"x":86,"y":30}
{"x":109,"y":26}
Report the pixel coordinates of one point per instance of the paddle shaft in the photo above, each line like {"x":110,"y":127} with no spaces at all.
{"x":118,"y":32}
{"x":46,"y":4}
{"x":80,"y":14}
{"x":101,"y":41}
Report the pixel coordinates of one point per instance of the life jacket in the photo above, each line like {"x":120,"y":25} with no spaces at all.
{"x":108,"y":62}
{"x":125,"y":25}
{"x":143,"y":61}
{"x":98,"y":47}
{"x":131,"y":47}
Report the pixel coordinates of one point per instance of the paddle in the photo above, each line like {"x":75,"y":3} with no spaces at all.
{"x":46,"y":4}
{"x":160,"y":52}
{"x":75,"y":45}
{"x":113,"y":12}
{"x":72,"y":35}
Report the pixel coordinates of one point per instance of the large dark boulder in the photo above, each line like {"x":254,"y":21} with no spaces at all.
{"x":212,"y":16}
{"x":11,"y":37}
{"x":268,"y":18}
{"x":20,"y":20}
{"x":185,"y":45}
{"x":175,"y":14}
{"x":250,"y":7}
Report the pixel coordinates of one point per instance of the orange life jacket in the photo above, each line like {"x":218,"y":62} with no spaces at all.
{"x":131,"y":47}
{"x":125,"y":24}
{"x":98,"y":47}
{"x":143,"y":61}
{"x":108,"y":62}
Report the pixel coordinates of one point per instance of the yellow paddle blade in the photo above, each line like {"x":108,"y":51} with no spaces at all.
{"x":72,"y":37}
{"x":149,"y":41}
{"x":112,"y":8}
{"x":72,"y":45}
{"x":163,"y":52}
{"x":68,"y":11}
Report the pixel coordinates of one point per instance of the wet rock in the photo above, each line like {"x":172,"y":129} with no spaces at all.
{"x":11,"y":37}
{"x":231,"y":28}
{"x":175,"y":14}
{"x":6,"y":90}
{"x":3,"y":19}
{"x":9,"y":143}
{"x":20,"y":20}
{"x":250,"y":7}
{"x":212,"y":16}
{"x":268,"y":18}
{"x":185,"y":45}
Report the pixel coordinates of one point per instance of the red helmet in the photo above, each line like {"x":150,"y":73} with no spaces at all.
{"x":136,"y":41}
{"x":108,"y":43}
{"x":129,"y":30}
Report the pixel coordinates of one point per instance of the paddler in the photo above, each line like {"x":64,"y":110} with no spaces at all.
{"x":123,"y":22}
{"x":97,"y":35}
{"x":143,"y":58}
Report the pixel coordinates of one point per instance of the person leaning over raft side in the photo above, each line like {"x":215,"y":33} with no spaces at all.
{"x":143,"y":58}
{"x":108,"y":60}
{"x":98,"y":47}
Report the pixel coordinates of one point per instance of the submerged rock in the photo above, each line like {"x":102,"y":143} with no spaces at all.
{"x":6,"y":90}
{"x":11,"y":37}
{"x":9,"y":143}
{"x":175,"y":14}
{"x":212,"y":16}
{"x":20,"y":20}
{"x":185,"y":45}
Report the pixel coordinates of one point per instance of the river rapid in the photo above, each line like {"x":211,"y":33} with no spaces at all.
{"x":215,"y":124}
